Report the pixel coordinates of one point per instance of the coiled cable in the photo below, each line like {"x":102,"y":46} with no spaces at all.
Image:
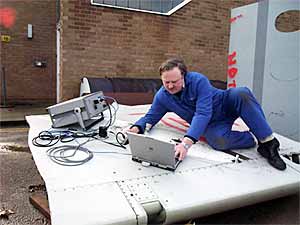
{"x":59,"y":156}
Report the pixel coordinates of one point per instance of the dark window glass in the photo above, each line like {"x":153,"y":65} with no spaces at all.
{"x":161,"y":6}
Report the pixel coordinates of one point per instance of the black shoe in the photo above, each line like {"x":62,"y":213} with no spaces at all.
{"x":269,"y":150}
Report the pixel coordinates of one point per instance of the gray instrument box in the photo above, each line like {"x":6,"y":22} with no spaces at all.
{"x":78,"y":110}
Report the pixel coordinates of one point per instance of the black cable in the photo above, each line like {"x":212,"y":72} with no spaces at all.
{"x":110,"y":114}
{"x":53,"y":137}
{"x":111,"y":143}
{"x":111,"y":105}
{"x":103,"y":129}
{"x":124,"y":139}
{"x":45,"y":136}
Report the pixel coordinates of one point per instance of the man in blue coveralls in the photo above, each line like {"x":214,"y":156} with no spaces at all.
{"x":211,"y":113}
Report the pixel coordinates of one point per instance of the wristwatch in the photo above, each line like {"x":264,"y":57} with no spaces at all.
{"x":185,"y":145}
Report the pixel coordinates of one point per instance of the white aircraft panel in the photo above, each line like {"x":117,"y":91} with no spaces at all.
{"x":112,"y":189}
{"x":90,"y":205}
{"x":267,"y":61}
{"x":243,"y":44}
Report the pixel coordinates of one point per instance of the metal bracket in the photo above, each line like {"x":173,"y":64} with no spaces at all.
{"x":77,"y":112}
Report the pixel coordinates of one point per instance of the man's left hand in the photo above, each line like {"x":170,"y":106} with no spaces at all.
{"x":180,"y":152}
{"x":182,"y":148}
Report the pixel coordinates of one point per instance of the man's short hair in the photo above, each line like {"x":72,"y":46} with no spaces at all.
{"x":172,"y":63}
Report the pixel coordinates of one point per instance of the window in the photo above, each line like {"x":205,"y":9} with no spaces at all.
{"x":163,"y":7}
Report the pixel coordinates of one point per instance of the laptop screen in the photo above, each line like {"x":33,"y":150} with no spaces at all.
{"x":154,"y":151}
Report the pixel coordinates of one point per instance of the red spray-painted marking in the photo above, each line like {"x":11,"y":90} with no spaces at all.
{"x":173,"y":126}
{"x":232,"y":71}
{"x":177,"y":120}
{"x":231,"y":60}
{"x":180,"y":121}
{"x":203,"y":139}
{"x":7,"y":17}
{"x":232,"y":84}
{"x":235,"y":18}
{"x":135,"y":114}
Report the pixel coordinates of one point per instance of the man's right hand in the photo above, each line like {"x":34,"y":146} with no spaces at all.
{"x":122,"y":136}
{"x":133,"y":129}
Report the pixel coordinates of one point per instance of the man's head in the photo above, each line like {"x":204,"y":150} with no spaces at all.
{"x":172,"y":74}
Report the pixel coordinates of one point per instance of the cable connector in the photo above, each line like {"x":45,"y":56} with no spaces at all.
{"x":103,"y":132}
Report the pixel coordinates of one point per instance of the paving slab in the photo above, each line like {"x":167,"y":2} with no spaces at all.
{"x":18,"y":112}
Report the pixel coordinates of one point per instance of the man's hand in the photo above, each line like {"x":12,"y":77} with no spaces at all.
{"x":121,"y":136}
{"x":133,"y":129}
{"x":180,"y":152}
{"x":182,"y":148}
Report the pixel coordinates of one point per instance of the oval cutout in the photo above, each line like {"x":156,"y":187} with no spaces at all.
{"x":288,"y":21}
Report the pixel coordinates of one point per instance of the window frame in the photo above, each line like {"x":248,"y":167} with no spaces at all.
{"x":179,"y":6}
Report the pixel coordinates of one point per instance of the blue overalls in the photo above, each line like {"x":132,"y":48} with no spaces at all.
{"x":211,"y":113}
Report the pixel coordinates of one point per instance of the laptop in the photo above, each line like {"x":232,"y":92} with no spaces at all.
{"x":152,"y":151}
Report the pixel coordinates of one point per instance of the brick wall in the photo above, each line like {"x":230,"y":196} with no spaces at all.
{"x":24,"y":81}
{"x":100,"y":41}
{"x":288,"y":21}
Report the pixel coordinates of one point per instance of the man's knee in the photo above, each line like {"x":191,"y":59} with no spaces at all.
{"x":242,"y":93}
{"x":220,"y":143}
{"x":233,"y":140}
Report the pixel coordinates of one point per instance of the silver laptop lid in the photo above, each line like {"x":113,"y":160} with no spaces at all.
{"x":149,"y":149}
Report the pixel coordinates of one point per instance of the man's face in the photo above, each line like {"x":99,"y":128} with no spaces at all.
{"x":172,"y":80}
